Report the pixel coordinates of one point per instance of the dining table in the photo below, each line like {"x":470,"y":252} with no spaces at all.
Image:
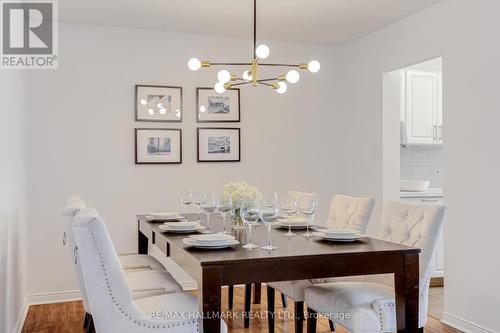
{"x":296,"y":258}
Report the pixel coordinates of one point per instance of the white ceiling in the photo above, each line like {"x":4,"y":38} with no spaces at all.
{"x":310,"y":21}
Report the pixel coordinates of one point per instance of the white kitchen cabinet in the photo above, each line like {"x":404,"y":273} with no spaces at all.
{"x":438,"y":258}
{"x":422,"y":117}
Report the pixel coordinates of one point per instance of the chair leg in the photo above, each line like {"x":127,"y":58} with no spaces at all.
{"x":230,"y":297}
{"x":90,"y":325}
{"x":270,"y":309}
{"x":257,"y":292}
{"x":332,"y":325}
{"x":311,"y":320}
{"x":85,"y":320}
{"x":248,"y":299}
{"x":284,"y":301}
{"x":299,"y":317}
{"x":421,"y":330}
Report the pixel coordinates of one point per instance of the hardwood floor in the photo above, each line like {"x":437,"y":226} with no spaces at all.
{"x":68,"y":317}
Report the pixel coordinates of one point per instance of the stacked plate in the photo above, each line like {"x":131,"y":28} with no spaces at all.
{"x":210,"y":241}
{"x":339,"y":235}
{"x":165,"y":217}
{"x":295,"y":223}
{"x":181,"y":227}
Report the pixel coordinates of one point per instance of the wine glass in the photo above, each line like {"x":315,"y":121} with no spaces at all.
{"x":208,"y":204}
{"x":197,"y":199}
{"x":249,"y":212}
{"x":269,"y":213}
{"x":187,"y":200}
{"x":289,"y":208}
{"x":224,"y":207}
{"x":308,"y":204}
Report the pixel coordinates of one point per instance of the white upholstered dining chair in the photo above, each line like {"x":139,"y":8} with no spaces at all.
{"x":109,"y":297}
{"x":145,"y":279}
{"x":370,"y":300}
{"x":345,"y":213}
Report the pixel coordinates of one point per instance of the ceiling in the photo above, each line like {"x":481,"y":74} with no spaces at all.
{"x":309,"y":21}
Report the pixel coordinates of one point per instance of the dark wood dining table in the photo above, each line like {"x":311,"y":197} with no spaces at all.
{"x":296,"y":258}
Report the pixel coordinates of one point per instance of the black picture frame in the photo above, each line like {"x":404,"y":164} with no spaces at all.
{"x":217,"y":128}
{"x":136,"y":132}
{"x":136,"y":116}
{"x":198,"y":120}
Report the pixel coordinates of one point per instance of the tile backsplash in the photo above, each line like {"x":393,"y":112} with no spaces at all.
{"x":422,"y":163}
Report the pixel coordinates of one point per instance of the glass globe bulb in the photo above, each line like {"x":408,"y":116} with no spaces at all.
{"x":292,"y":76}
{"x":219,"y":88}
{"x":313,"y":66}
{"x":224,"y":76}
{"x":262,"y":51}
{"x":203,"y":108}
{"x":194,"y":64}
{"x":143,"y":101}
{"x":282,"y":88}
{"x":247,"y":76}
{"x":160,"y":105}
{"x":163,"y":111}
{"x":151,"y":112}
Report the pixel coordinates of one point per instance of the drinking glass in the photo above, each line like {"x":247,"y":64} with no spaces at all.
{"x":198,"y":196}
{"x":224,"y":207}
{"x":308,"y":204}
{"x":289,"y":208}
{"x":187,"y":200}
{"x":269,"y":213}
{"x":208,"y":204}
{"x":249,"y":212}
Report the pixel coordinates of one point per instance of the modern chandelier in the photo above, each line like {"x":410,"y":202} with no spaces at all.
{"x":228,"y":80}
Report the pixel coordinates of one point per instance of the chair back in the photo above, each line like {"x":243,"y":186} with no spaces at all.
{"x":350,"y":212}
{"x":73,"y":206}
{"x":108,"y":294}
{"x":416,"y":226}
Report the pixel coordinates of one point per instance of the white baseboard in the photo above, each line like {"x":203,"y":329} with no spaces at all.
{"x":464,"y":325}
{"x":57,"y":297}
{"x":22,"y":317}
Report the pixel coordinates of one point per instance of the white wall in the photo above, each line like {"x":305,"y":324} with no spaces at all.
{"x":466,"y":34}
{"x":81,"y":138}
{"x":12,"y":203}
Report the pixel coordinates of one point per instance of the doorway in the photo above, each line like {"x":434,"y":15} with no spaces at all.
{"x":413,"y":140}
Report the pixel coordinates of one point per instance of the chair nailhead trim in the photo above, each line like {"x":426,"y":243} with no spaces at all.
{"x":127,"y":315}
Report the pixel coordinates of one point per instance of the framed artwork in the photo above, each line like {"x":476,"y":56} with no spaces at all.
{"x":158,"y":103}
{"x":214,"y":107}
{"x":219,"y":144}
{"x":158,"y":146}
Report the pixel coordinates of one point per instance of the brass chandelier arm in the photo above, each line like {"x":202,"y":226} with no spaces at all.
{"x":230,"y":64}
{"x":282,"y":65}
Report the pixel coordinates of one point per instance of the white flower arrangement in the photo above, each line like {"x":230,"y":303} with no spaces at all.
{"x":240,"y":192}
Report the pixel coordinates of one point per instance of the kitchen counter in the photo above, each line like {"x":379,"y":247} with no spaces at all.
{"x":430,"y":193}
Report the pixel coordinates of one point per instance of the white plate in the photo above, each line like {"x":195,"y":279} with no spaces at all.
{"x":303,"y":225}
{"x":181,"y":225}
{"x":165,"y":218}
{"x":350,"y":238}
{"x":194,"y":243}
{"x":212,"y":239}
{"x":182,"y":231}
{"x":165,"y":214}
{"x":339,"y":233}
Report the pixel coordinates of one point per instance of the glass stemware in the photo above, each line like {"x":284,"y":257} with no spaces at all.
{"x":289,"y":208}
{"x":269,"y":213}
{"x":249,"y":212}
{"x":307,"y":208}
{"x":198,"y":196}
{"x":208,"y":204}
{"x":187,"y":200}
{"x":224,"y":207}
